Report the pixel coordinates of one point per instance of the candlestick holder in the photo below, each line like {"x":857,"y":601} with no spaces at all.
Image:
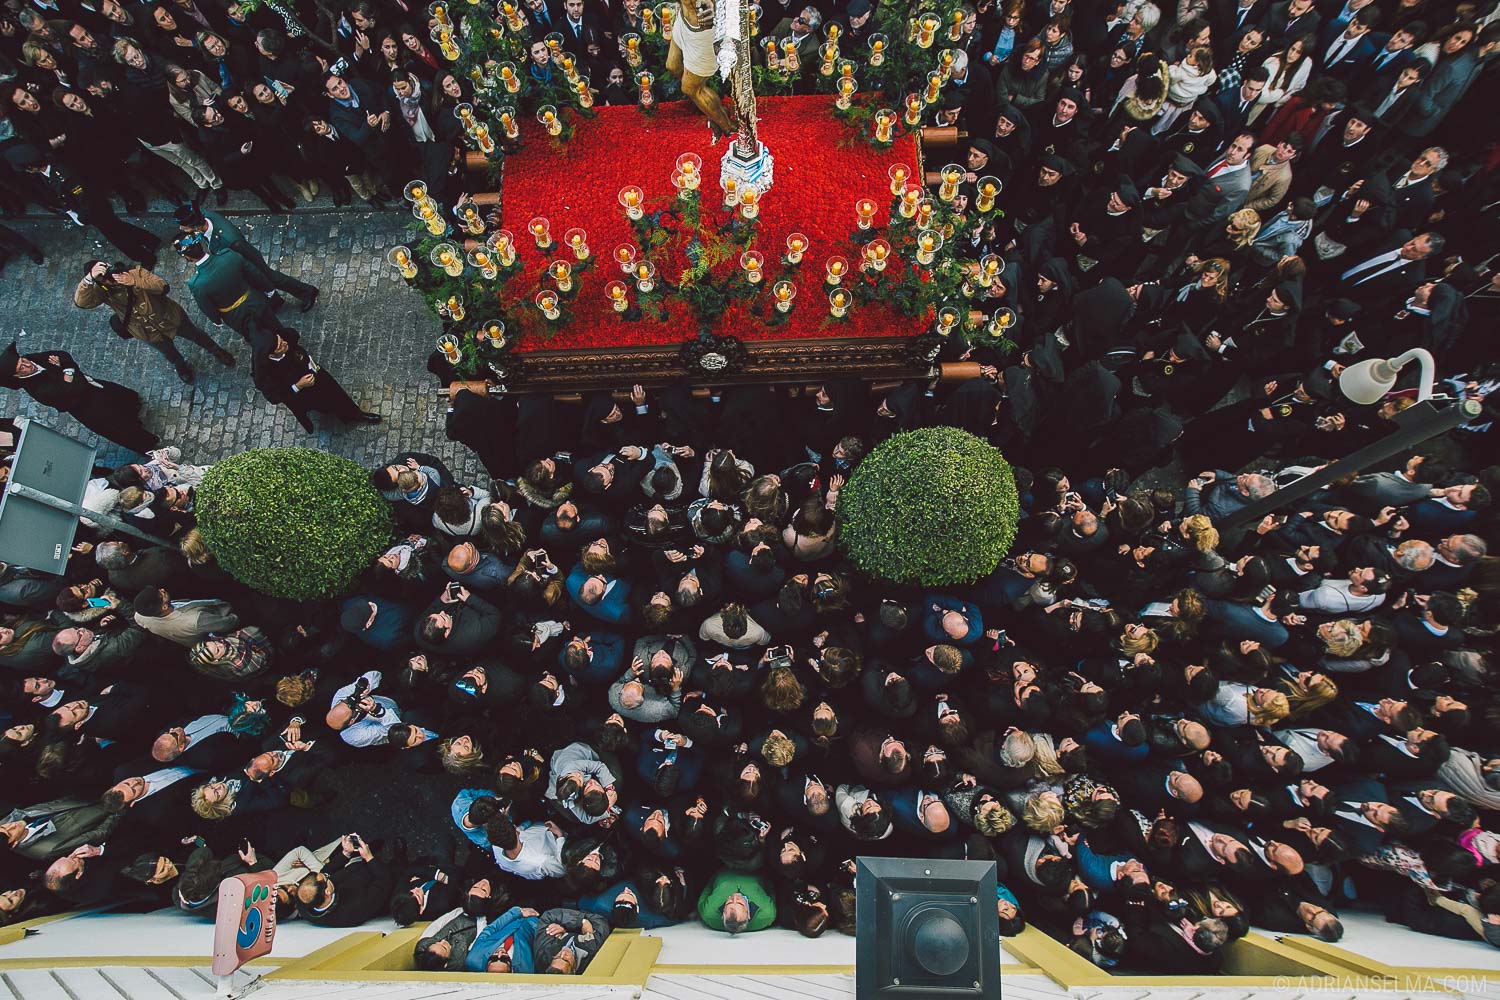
{"x":952,"y":176}
{"x":836,"y":268}
{"x":864,"y":211}
{"x":1003,"y":319}
{"x":562,"y":273}
{"x":838,"y":303}
{"x":631,"y":197}
{"x":751,"y":261}
{"x":987,"y":187}
{"x":508,"y":122}
{"x":491,"y":335}
{"x":547,"y":301}
{"x":877,"y":254}
{"x":947,"y":319}
{"x":898,"y":173}
{"x":547,"y":115}
{"x":885,"y":126}
{"x":784,"y":292}
{"x":796,"y":246}
{"x":878,"y":43}
{"x":914,"y":106}
{"x":625,"y":255}
{"x":482,"y":259}
{"x":749,"y":203}
{"x":645,"y":276}
{"x":455,"y":305}
{"x":503,"y":244}
{"x":400,"y":259}
{"x":509,"y":79}
{"x":448,"y":257}
{"x":632,"y":49}
{"x":541,"y":232}
{"x":451,"y":347}
{"x":928,"y":244}
{"x":578,"y":240}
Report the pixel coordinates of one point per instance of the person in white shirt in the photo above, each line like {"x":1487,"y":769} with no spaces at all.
{"x":361,"y":718}
{"x":531,"y":851}
{"x":1365,"y":589}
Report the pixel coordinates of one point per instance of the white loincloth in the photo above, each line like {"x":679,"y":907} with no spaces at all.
{"x":698,"y":56}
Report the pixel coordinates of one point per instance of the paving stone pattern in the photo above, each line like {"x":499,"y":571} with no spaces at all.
{"x":370,"y":330}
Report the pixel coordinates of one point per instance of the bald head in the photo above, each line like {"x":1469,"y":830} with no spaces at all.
{"x":463,"y":557}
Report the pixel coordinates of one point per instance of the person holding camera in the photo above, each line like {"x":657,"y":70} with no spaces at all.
{"x":361,"y":717}
{"x":142,"y":310}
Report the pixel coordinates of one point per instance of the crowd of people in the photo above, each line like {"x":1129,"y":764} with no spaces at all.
{"x":635,"y":654}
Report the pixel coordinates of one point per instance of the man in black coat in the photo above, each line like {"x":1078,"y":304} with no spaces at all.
{"x":285,"y":373}
{"x":362,"y":113}
{"x":351,"y":889}
{"x":54,"y":379}
{"x":1381,"y":281}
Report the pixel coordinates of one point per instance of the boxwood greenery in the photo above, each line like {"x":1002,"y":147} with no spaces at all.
{"x":930,"y":507}
{"x":293,"y":522}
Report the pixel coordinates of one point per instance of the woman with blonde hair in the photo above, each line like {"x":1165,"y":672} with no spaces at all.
{"x":215,"y":800}
{"x":461,"y":755}
{"x":1043,"y":811}
{"x":1306,"y":692}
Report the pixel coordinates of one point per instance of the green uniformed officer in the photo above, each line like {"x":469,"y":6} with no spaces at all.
{"x":223,"y":234}
{"x":228,"y":289}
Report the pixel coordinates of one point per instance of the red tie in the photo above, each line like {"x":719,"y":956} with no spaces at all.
{"x":1213,"y":171}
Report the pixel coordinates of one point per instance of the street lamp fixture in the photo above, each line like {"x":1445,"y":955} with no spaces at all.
{"x":1368,"y":381}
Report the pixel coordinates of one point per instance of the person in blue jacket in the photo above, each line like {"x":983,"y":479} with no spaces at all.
{"x":606,"y":598}
{"x":593,"y":657}
{"x":951,"y":619}
{"x":627,"y":906}
{"x":505,"y":944}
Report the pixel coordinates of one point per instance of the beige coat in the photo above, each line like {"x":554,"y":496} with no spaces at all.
{"x":144,"y":308}
{"x":1267,"y":190}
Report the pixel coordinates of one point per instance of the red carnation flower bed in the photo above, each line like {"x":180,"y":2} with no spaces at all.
{"x":816,"y":185}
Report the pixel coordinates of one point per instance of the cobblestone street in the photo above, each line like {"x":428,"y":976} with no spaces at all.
{"x":367,"y":328}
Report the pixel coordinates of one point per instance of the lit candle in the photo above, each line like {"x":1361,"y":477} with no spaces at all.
{"x":504,"y":245}
{"x":625,"y":255}
{"x":989,"y":266}
{"x":829,"y":51}
{"x":645,"y":276}
{"x":472,"y":222}
{"x":400,"y":258}
{"x":492,"y":331}
{"x":439,"y":12}
{"x":562,"y":273}
{"x":509,"y":123}
{"x":751,"y":261}
{"x":447,"y":48}
{"x":898,"y":172}
{"x":838,"y":302}
{"x":447,"y":257}
{"x":749,"y":202}
{"x":482,"y":139}
{"x":509,"y":78}
{"x":579,"y":241}
{"x":934,"y":87}
{"x":546,"y":301}
{"x":456,"y":308}
{"x":865,"y":210}
{"x":689,"y":169}
{"x":847,"y":87}
{"x":877,"y":49}
{"x":924,"y":214}
{"x":789,"y":59}
{"x":945,"y":64}
{"x":554,"y":42}
{"x":449,"y":345}
{"x":1003,"y":319}
{"x":988,"y":187}
{"x":585,"y":95}
{"x":877,"y":253}
{"x":927,"y":31}
{"x":773,"y":59}
{"x":952,"y":175}
{"x":648,"y":21}
{"x":547,"y":115}
{"x":566,"y":62}
{"x":836,"y":268}
{"x":541,"y":231}
{"x":616,"y":292}
{"x":909,"y":199}
{"x":481,"y":259}
{"x":784,"y":291}
{"x":885,"y":121}
{"x":631,"y":197}
{"x":632,"y":49}
{"x":796,"y":246}
{"x":914,"y":105}
{"x":947,"y":319}
{"x":731,"y":193}
{"x":465,"y":114}
{"x":644,"y":80}
{"x":833,"y":31}
{"x":956,"y":28}
{"x":928,"y":244}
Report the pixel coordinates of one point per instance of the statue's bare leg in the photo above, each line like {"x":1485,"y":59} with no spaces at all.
{"x":697,"y":90}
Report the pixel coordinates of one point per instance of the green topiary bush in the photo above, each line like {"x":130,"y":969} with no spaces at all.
{"x":933,"y":507}
{"x":293,"y":522}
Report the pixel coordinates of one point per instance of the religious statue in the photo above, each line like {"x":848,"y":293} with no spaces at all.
{"x":715,"y":35}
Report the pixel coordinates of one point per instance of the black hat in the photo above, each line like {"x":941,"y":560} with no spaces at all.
{"x":858,"y":8}
{"x":188,"y":215}
{"x":1187,"y":347}
{"x":1344,"y":309}
{"x":1290,"y":294}
{"x":1126,"y":189}
{"x":1185,"y":166}
{"x":984,"y":146}
{"x":1073,"y":94}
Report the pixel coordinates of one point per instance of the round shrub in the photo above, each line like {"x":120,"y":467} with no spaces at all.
{"x":933,"y":507}
{"x":292,"y":522}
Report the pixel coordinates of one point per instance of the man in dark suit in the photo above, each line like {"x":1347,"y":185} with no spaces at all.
{"x":1235,"y":105}
{"x":581,"y":35}
{"x":115,"y":713}
{"x":1289,"y":20}
{"x":361,"y":112}
{"x":457,"y":623}
{"x":49,"y":830}
{"x":285,"y":373}
{"x":54,"y":379}
{"x":1209,"y":850}
{"x":1346,"y":55}
{"x":351,"y":889}
{"x":1229,"y":18}
{"x":1361,"y":813}
{"x":1394,"y":51}
{"x":1383,"y":280}
{"x":1393,"y":94}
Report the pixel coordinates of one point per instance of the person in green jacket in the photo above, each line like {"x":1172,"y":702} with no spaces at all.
{"x":737,"y":902}
{"x":223,"y":234}
{"x":228,"y":290}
